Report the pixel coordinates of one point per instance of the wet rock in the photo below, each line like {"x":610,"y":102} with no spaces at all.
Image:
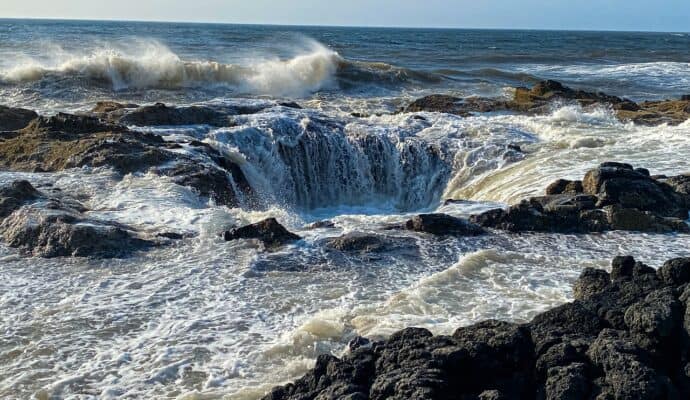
{"x":626,"y":369}
{"x":51,"y":227}
{"x":544,"y":93}
{"x":104,"y":107}
{"x":564,"y":186}
{"x":616,"y":197}
{"x":442,"y":224}
{"x":675,"y":272}
{"x":591,"y":282}
{"x":271,"y":233}
{"x":14,"y":195}
{"x":12,"y":119}
{"x":569,"y":352}
{"x":69,"y":141}
{"x":363,"y":242}
{"x":653,"y":113}
{"x":326,"y":224}
{"x":454,"y":105}
{"x":569,"y":382}
{"x":161,"y":115}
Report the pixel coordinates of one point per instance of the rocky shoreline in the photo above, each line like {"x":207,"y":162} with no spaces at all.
{"x":626,"y":336}
{"x":613,"y":196}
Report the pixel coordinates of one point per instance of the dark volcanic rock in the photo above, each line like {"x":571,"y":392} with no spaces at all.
{"x":454,"y":105}
{"x":12,"y":119}
{"x":13,"y":196}
{"x":160,"y":114}
{"x":68,"y":141}
{"x":613,"y":196}
{"x":369,"y":243}
{"x":271,"y":233}
{"x":442,"y":224}
{"x":570,"y":352}
{"x":45,"y":226}
{"x":541,"y":98}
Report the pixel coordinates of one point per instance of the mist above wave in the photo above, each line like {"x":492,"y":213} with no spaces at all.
{"x":149,"y":64}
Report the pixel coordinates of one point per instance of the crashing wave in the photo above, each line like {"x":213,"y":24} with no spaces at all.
{"x":153,"y":65}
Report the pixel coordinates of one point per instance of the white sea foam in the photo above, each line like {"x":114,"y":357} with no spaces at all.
{"x":150,"y":64}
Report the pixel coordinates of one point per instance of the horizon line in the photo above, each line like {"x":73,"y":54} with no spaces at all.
{"x":331,"y":26}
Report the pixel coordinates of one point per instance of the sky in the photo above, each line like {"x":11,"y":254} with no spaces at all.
{"x":636,"y":15}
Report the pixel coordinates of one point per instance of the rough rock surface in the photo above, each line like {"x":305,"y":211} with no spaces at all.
{"x":12,"y":119}
{"x":623,"y":338}
{"x":442,"y":224}
{"x":368,"y":242}
{"x":269,"y":231}
{"x":45,"y":226}
{"x":70,"y":141}
{"x":613,"y":196}
{"x":541,"y":97}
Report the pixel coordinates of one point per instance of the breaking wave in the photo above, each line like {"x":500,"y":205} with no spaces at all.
{"x":150,"y":64}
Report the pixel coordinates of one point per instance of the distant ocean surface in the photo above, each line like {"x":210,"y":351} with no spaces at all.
{"x":209,"y":319}
{"x":69,"y":63}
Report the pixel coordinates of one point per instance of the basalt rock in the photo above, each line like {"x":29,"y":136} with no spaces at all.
{"x":366,"y":243}
{"x":269,"y":231}
{"x":12,"y":119}
{"x":42,"y":225}
{"x":455,"y":105}
{"x":68,"y":141}
{"x":542,"y":96}
{"x":570,"y":352}
{"x":14,"y":195}
{"x":160,"y":114}
{"x":442,"y":224}
{"x":614,"y":196}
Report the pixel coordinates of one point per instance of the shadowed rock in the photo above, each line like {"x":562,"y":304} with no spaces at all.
{"x":442,"y":224}
{"x":571,"y":352}
{"x":45,"y":226}
{"x":271,"y":233}
{"x":613,"y":196}
{"x":12,"y":119}
{"x":368,"y":243}
{"x":544,"y":95}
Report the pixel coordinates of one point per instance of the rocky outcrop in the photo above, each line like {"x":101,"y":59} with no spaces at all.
{"x":442,"y":224}
{"x":541,"y":97}
{"x":625,"y":337}
{"x":12,"y":119}
{"x":613,"y":196}
{"x":43,"y":225}
{"x":68,"y":141}
{"x":369,"y":243}
{"x":160,"y":114}
{"x":269,"y":232}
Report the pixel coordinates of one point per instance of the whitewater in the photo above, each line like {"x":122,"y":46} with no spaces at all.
{"x":209,"y":319}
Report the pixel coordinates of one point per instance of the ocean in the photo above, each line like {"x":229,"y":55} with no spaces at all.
{"x":207,"y":319}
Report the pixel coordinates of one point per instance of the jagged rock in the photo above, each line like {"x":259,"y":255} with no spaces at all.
{"x":564,"y":186}
{"x":367,"y":242}
{"x":69,"y":141}
{"x":271,"y":233}
{"x":12,"y":119}
{"x":104,"y":107}
{"x":540,"y":97}
{"x":14,"y":195}
{"x":44,"y":226}
{"x":569,"y":352}
{"x":616,"y":197}
{"x":591,"y":282}
{"x":675,"y":272}
{"x":442,"y":224}
{"x":454,"y":105}
{"x":160,"y":114}
{"x":569,"y":382}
